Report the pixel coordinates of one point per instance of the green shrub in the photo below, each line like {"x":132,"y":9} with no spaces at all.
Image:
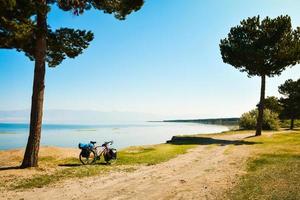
{"x":270,"y":120}
{"x":287,"y":123}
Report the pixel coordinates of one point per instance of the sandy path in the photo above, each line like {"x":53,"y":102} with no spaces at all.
{"x":205,"y":172}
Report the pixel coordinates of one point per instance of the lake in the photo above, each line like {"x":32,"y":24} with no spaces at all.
{"x":124,"y":135}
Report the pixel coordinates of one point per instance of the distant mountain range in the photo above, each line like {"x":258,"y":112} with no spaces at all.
{"x":78,"y":117}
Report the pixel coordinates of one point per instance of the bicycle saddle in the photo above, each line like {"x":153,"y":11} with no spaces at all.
{"x":92,"y":142}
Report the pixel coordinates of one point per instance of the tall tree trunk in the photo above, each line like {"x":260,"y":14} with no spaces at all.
{"x":292,"y":123}
{"x":33,"y":144}
{"x":261,"y":106}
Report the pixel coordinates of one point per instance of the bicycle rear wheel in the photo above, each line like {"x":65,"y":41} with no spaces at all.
{"x":87,"y":160}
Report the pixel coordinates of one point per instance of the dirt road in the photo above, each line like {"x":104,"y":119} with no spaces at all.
{"x":205,"y":172}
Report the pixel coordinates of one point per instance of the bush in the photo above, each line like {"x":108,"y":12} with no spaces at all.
{"x":270,"y":120}
{"x":287,"y":123}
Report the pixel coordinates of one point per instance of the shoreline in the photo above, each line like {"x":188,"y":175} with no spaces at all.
{"x":197,"y":166}
{"x":123,"y":136}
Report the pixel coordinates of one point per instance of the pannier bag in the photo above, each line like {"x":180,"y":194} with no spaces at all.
{"x":112,"y":154}
{"x":85,"y":153}
{"x":85,"y":149}
{"x":85,"y":146}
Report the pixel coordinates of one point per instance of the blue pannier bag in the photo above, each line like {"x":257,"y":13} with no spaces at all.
{"x":85,"y":146}
{"x":85,"y":149}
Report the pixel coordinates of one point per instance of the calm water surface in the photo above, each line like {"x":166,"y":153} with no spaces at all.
{"x":124,"y":135}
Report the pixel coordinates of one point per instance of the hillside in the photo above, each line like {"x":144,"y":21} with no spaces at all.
{"x":219,"y":121}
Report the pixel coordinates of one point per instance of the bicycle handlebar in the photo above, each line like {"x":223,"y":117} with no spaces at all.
{"x":109,"y":142}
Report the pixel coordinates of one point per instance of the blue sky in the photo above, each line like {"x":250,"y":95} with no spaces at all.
{"x":164,"y":59}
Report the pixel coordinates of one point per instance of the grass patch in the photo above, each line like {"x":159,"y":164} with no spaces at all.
{"x":232,"y":132}
{"x":150,"y":155}
{"x":47,"y":159}
{"x":127,"y":159}
{"x":39,"y":181}
{"x":274,"y":172}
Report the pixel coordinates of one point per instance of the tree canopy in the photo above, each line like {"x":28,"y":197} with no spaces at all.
{"x":23,"y":26}
{"x":291,"y":99}
{"x":272,"y":103}
{"x":262,"y":47}
{"x":18,"y":27}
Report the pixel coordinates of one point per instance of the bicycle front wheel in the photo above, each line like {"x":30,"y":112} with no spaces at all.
{"x":87,"y":160}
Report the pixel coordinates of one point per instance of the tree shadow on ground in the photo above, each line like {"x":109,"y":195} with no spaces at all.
{"x":60,"y":165}
{"x":70,"y":165}
{"x":207,"y":140}
{"x":101,"y":163}
{"x":9,"y":168}
{"x":252,"y":136}
{"x":79,"y":164}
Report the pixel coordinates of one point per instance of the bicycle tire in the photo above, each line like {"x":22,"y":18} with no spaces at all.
{"x":88,"y":160}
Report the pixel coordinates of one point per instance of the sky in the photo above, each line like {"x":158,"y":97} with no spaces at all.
{"x":163,"y":59}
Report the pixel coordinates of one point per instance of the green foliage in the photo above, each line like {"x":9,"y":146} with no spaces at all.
{"x":270,"y":120}
{"x":291,"y":99}
{"x":7,"y":4}
{"x":73,"y":42}
{"x":287,"y":123}
{"x":272,"y":103}
{"x":264,"y":47}
{"x":120,"y":8}
{"x":23,"y":26}
{"x":18,"y":26}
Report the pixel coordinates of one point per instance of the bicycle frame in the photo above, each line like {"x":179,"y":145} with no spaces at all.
{"x":101,"y":151}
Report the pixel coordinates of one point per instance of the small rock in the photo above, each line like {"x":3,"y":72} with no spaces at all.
{"x":182,"y":181}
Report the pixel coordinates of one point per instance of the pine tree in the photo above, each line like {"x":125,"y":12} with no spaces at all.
{"x":24,"y":27}
{"x":290,"y":100}
{"x":262,"y":48}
